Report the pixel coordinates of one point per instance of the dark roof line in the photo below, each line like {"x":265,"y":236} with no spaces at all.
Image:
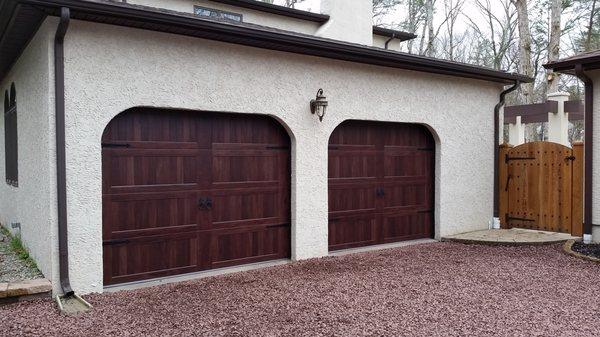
{"x":402,"y":36}
{"x":123,"y":14}
{"x":275,"y":9}
{"x":589,"y":60}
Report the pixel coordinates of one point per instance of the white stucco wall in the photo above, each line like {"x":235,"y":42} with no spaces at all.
{"x":249,"y":15}
{"x":110,"y":69}
{"x":33,"y":203}
{"x":595,"y":76}
{"x":379,"y":41}
{"x":350,"y":21}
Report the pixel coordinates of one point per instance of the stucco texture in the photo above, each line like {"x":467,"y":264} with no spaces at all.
{"x":33,"y":202}
{"x":110,"y":69}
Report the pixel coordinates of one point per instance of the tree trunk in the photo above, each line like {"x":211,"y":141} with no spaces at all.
{"x":430,"y":50}
{"x":554,"y":43}
{"x":524,"y":49}
{"x":588,"y":40}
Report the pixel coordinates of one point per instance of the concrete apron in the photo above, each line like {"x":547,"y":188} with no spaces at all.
{"x":514,"y":236}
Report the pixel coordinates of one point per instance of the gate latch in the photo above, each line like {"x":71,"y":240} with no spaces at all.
{"x":571,"y":158}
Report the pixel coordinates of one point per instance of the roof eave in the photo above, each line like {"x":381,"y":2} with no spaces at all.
{"x":132,"y":16}
{"x":391,"y":33}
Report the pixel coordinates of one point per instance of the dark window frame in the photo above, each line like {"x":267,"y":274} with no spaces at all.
{"x":220,"y":14}
{"x":11,"y":156}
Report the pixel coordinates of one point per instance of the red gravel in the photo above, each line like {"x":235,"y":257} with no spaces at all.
{"x":440,"y":289}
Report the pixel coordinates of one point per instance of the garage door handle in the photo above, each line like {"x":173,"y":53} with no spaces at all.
{"x":205,"y":203}
{"x":380,"y":192}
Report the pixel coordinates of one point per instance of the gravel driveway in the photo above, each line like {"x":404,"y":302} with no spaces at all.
{"x":438,"y":289}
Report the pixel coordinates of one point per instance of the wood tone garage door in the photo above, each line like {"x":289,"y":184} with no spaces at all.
{"x":190,"y":191}
{"x":381,"y":184}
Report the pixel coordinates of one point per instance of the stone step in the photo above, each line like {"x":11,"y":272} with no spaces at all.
{"x":24,"y":290}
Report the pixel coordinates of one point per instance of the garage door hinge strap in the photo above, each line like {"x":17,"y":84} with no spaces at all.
{"x":114,"y":242}
{"x":112,"y":145}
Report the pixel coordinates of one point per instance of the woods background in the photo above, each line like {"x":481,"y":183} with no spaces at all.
{"x":510,"y":35}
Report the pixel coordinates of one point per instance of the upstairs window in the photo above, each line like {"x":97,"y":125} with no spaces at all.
{"x":10,"y":137}
{"x":217,"y":14}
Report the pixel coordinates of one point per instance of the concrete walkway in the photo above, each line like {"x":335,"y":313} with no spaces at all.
{"x":514,"y":236}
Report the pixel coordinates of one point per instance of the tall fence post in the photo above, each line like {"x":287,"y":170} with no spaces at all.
{"x":503,"y":178}
{"x":516,"y":132}
{"x":577,"y":190}
{"x":558,"y":123}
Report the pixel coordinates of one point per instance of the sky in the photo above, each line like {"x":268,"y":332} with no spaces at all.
{"x":469,"y":10}
{"x":315,"y":5}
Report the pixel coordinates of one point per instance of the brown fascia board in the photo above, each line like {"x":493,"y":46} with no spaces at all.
{"x":275,"y":9}
{"x":590,"y":62}
{"x":398,"y":34}
{"x":149,"y":18}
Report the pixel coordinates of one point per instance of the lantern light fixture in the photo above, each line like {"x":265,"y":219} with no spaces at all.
{"x":318,"y":106}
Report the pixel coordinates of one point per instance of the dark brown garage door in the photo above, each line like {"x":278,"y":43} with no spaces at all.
{"x":381,"y":184}
{"x":189,"y":191}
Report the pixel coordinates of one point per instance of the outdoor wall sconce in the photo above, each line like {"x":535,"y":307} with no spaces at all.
{"x":319,"y":105}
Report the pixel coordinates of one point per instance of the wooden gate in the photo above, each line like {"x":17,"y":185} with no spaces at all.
{"x":541,"y":187}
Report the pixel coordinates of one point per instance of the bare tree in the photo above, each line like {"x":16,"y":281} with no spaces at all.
{"x":416,"y":16}
{"x":452,"y":9}
{"x":524,"y":49}
{"x":383,"y":7}
{"x":554,"y":42}
{"x":498,"y":37}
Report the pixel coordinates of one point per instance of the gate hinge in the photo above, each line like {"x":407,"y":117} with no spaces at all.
{"x":507,"y":158}
{"x":509,"y":218}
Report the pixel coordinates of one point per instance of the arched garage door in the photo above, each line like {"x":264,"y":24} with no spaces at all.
{"x":381,"y":184}
{"x":189,"y":191}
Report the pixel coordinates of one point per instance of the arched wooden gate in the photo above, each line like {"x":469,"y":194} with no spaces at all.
{"x":541,"y":187}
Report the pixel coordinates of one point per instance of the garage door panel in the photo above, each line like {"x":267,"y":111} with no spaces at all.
{"x":189,"y":191}
{"x":352,"y":165}
{"x":238,"y":206}
{"x":243,"y":245}
{"x":235,"y":168}
{"x":137,"y":215}
{"x":149,"y":257}
{"x":407,"y":226}
{"x":346,"y":198}
{"x":135,"y":170}
{"x":155,"y":126}
{"x":407,"y":163}
{"x":407,"y":195}
{"x":246,"y":129}
{"x":348,"y":232}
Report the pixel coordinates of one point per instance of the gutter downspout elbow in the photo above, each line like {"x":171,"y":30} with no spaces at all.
{"x":588,"y":152}
{"x":496,"y":149}
{"x":390,"y":40}
{"x":61,"y":174}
